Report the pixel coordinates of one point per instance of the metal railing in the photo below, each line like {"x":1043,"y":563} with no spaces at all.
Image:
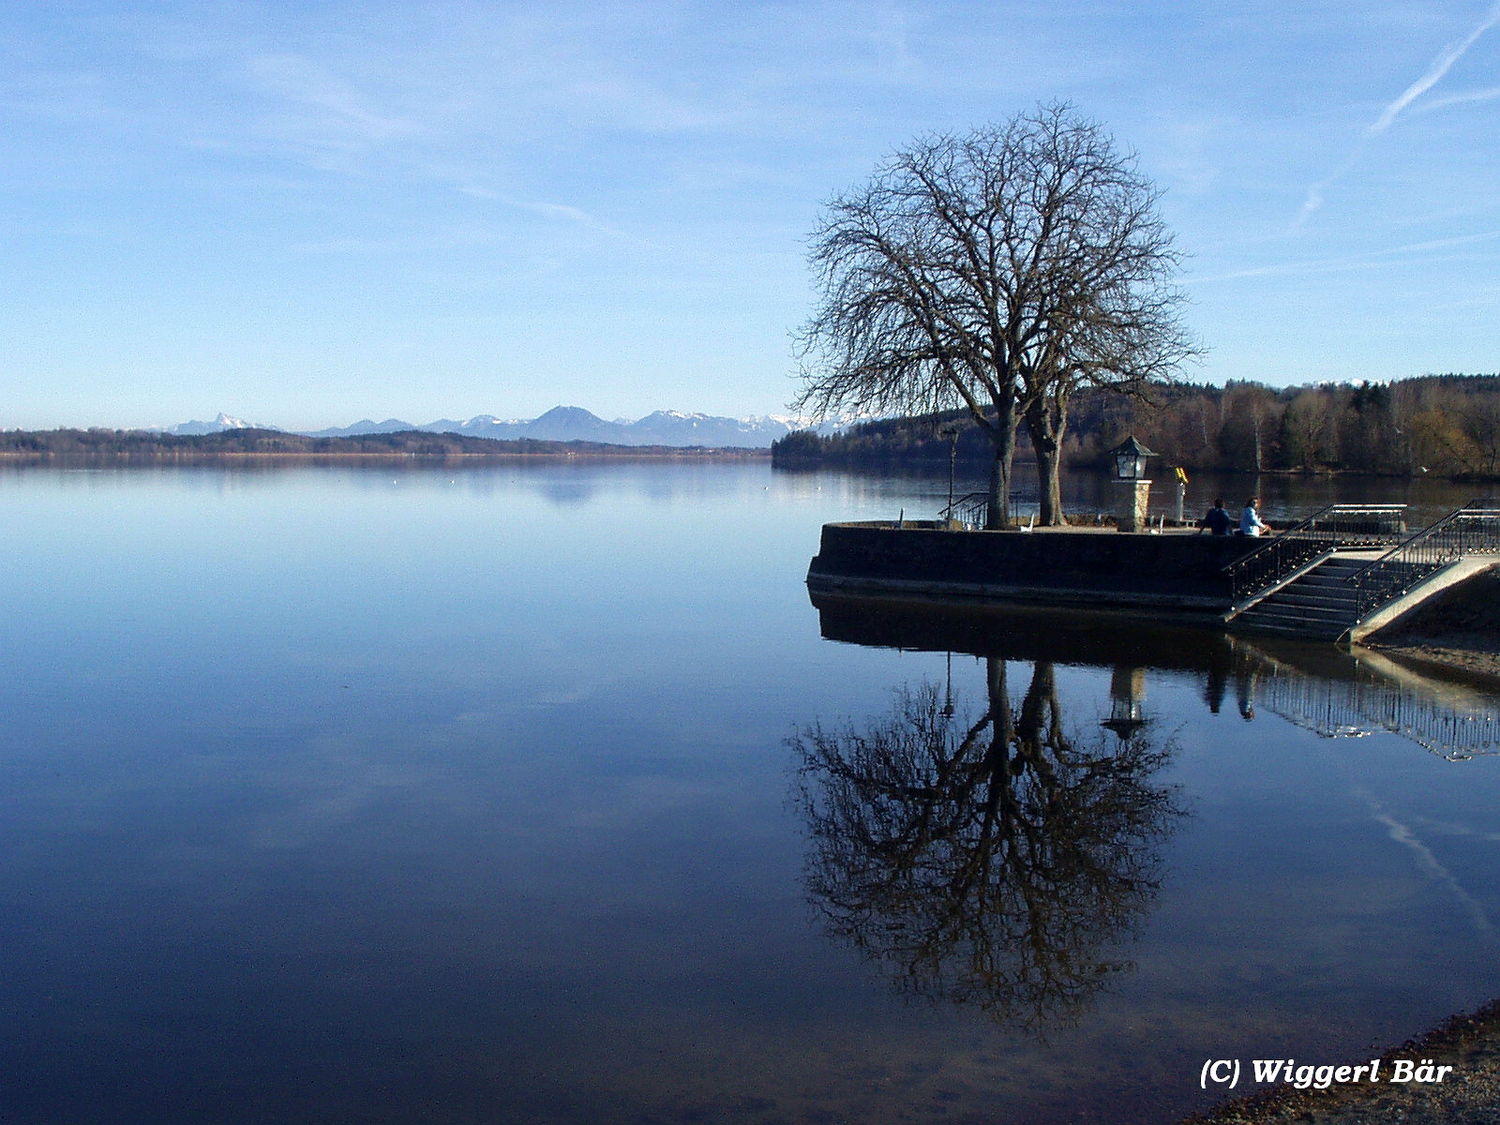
{"x":1325,"y":531}
{"x":1472,"y":530}
{"x":971,"y":510}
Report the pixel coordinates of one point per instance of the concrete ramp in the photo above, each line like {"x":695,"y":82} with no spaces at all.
{"x":1460,"y":570}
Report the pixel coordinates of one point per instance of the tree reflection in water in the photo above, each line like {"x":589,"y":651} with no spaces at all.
{"x":995,"y":861}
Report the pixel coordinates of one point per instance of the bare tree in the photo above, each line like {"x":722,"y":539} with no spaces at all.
{"x":1252,"y":418}
{"x":999,"y":271}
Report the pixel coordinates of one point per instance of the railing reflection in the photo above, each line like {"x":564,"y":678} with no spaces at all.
{"x":1443,"y":719}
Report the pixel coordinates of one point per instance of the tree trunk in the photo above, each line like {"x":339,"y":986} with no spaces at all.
{"x":1046,"y":423}
{"x":1004,"y":436}
{"x":1049,"y":485}
{"x":1002,"y":726}
{"x":1000,"y":803}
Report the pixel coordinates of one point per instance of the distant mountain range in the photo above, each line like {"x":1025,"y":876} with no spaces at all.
{"x":568,"y":423}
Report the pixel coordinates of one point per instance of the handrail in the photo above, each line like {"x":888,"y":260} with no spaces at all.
{"x":973,"y":507}
{"x":1330,"y":527}
{"x":1473,"y":529}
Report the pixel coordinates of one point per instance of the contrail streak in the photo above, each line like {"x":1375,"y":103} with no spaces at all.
{"x":1440,"y":66}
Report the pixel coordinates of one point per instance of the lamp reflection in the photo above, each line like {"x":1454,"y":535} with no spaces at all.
{"x":1127,"y":689}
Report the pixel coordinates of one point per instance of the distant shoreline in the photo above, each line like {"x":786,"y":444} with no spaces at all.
{"x":127,"y":446}
{"x":625,"y":454}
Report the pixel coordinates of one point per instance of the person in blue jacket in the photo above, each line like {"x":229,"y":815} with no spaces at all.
{"x":1250,"y":523}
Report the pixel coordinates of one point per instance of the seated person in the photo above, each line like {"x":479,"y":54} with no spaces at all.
{"x":1217,"y":521}
{"x":1250,"y":523}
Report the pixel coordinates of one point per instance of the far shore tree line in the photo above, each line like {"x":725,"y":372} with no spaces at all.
{"x":126,"y":445}
{"x":1439,"y":425}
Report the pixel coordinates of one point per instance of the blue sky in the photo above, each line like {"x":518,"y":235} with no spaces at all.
{"x":307,"y":212}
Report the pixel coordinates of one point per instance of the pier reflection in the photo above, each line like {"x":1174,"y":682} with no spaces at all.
{"x":1334,"y":692}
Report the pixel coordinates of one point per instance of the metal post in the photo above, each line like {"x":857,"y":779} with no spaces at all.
{"x":951,"y":432}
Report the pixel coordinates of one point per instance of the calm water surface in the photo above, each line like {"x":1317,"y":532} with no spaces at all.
{"x":544,"y":794}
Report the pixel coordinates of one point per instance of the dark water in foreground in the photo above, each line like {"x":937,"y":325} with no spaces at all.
{"x":544,"y":794}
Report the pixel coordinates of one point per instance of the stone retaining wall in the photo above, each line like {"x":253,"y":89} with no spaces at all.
{"x":1080,"y":568}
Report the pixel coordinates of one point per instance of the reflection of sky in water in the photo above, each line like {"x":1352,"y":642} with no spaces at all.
{"x":327,"y":794}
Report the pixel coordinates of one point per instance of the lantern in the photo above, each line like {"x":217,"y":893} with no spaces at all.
{"x":1130,"y":470}
{"x":1130,"y":459}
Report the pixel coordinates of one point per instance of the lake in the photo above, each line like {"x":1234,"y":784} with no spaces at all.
{"x":543,"y":793}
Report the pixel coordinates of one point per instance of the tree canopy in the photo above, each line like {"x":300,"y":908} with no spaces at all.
{"x":998,"y":271}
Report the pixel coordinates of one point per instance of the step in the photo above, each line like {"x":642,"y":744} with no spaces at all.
{"x":1282,"y":609}
{"x":1321,"y":578}
{"x":1337,"y":565}
{"x":1300,"y":631}
{"x":1298,"y":595}
{"x":1332,"y":595}
{"x":1296,"y":623}
{"x":1301,"y":609}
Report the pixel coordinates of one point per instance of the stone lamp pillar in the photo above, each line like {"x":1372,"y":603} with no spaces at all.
{"x":1130,"y":472}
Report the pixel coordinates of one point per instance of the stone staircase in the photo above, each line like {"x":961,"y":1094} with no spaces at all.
{"x":1330,"y":578}
{"x":1317,"y":604}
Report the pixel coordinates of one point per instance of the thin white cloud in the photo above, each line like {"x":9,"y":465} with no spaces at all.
{"x":578,"y":217}
{"x":446,"y":240}
{"x":1373,"y":259}
{"x":564,"y":211}
{"x":1448,"y":828}
{"x":1429,"y":864}
{"x":1440,"y":66}
{"x":1315,"y":194}
{"x":324,"y":106}
{"x":1472,"y":97}
{"x":61,"y":95}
